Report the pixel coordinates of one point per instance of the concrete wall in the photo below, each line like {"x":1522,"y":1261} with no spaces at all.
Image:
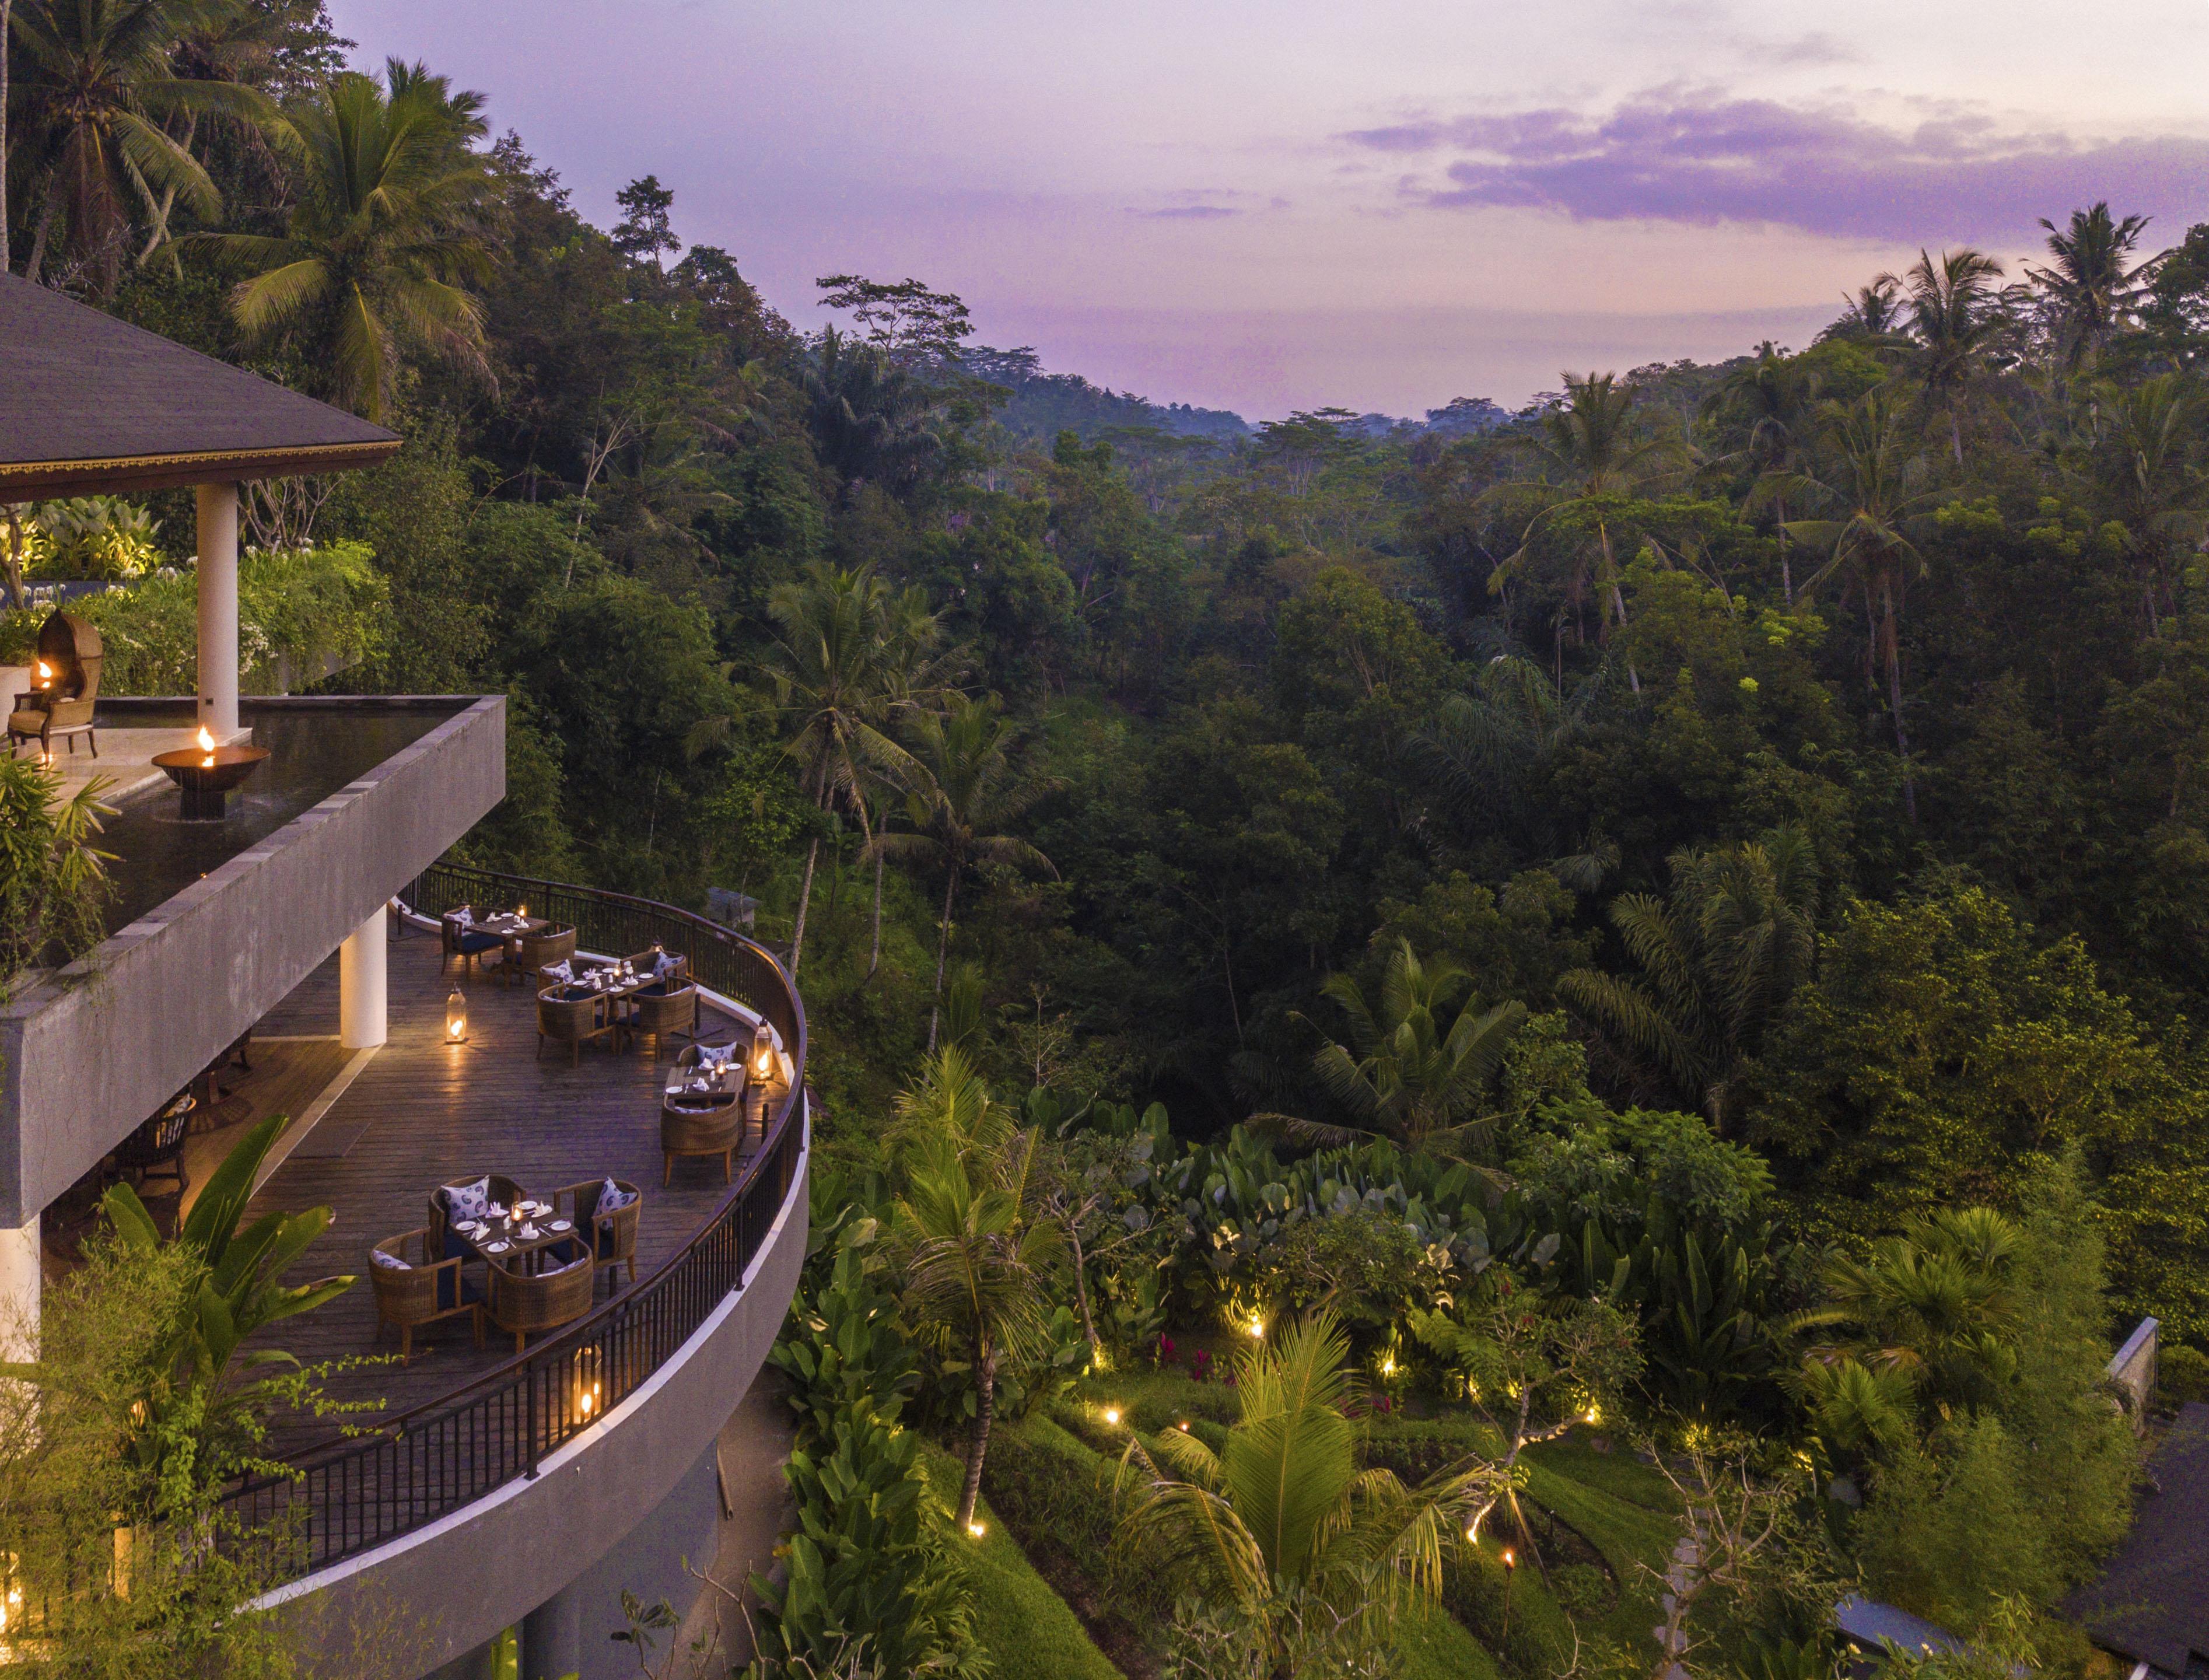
{"x":88,"y":1056}
{"x":622,"y":1504}
{"x":2133,"y":1370}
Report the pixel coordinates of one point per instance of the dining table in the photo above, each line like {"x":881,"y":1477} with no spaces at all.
{"x":516,"y":1234}
{"x":510,"y":927}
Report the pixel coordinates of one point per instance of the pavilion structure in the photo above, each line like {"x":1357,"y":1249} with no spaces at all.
{"x":93,"y":405}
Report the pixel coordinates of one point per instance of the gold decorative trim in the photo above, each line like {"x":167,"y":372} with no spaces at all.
{"x":163,"y":462}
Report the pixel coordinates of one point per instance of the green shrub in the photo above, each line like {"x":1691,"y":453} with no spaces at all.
{"x":2182,"y":1374}
{"x":305,"y":608}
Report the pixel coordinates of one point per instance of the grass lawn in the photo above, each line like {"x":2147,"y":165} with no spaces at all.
{"x":1026,"y":1628}
{"x":1434,"y":1646}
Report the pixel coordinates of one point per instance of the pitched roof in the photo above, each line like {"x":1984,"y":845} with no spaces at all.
{"x":2152,"y":1602}
{"x":89,"y":404}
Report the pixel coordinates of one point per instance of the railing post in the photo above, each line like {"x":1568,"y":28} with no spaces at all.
{"x":529,"y":1404}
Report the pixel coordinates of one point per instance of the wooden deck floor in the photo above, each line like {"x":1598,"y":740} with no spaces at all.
{"x":420,"y":1112}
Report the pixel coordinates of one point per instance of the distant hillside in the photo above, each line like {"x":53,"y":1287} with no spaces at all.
{"x":1044,"y":405}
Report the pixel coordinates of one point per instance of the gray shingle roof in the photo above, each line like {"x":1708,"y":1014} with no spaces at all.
{"x":89,"y":403}
{"x":2152,"y":1603}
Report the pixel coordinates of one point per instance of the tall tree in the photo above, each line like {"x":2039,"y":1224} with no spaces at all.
{"x":2147,"y":457}
{"x":975,"y":1259}
{"x":963,"y":785}
{"x":1593,"y":452}
{"x":1869,"y":479}
{"x":850,"y":656}
{"x":646,"y":233}
{"x":1770,"y":405}
{"x":1719,"y":959}
{"x":2091,"y":286}
{"x":96,"y":90}
{"x":389,"y":233}
{"x":1955,"y":314}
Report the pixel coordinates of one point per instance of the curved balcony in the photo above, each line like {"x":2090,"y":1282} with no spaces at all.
{"x":494,"y":1490}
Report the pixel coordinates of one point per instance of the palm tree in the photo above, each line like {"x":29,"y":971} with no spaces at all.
{"x":96,"y":90}
{"x":2148,"y":462}
{"x":870,"y":417}
{"x":1770,"y":404}
{"x":1954,"y":315}
{"x":388,"y":233}
{"x":1489,"y":749}
{"x":1592,"y":452}
{"x":1718,"y":960}
{"x":1283,"y":1511}
{"x":2091,"y":287}
{"x":851,"y":655}
{"x":962,"y":784}
{"x":1869,"y":476}
{"x":975,"y":1258}
{"x":1938,"y":1304}
{"x":1873,"y":317}
{"x":1419,"y":1063}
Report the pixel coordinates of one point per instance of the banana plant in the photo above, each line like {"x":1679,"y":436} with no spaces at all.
{"x":240,"y":1293}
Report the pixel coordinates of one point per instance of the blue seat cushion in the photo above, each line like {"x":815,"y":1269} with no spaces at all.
{"x":566,"y":1252}
{"x":473,"y":944}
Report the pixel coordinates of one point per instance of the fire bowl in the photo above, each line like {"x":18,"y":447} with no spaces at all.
{"x":208,"y":779}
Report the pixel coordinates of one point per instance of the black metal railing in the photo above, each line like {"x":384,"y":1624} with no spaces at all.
{"x":351,"y":1495}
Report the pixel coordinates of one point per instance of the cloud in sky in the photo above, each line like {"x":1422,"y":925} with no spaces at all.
{"x":1708,"y":158}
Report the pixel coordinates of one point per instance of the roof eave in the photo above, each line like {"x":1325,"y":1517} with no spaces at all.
{"x":38,"y":480}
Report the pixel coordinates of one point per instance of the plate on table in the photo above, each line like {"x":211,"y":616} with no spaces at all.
{"x":497,"y":1248}
{"x":560,"y":1225}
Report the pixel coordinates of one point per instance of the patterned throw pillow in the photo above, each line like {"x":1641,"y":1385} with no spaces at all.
{"x":612,"y":1197}
{"x":562,"y":971}
{"x":468,"y":1201}
{"x":390,"y":1262}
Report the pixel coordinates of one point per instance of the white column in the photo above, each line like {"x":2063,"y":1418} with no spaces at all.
{"x":361,"y":1019}
{"x":20,"y":1283}
{"x":218,"y":587}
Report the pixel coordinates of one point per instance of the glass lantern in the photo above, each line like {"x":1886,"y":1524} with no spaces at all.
{"x":763,"y":1053}
{"x":456,"y":1018}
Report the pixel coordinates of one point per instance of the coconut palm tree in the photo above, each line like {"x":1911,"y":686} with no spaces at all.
{"x":1592,"y":452}
{"x":1489,"y":749}
{"x":1868,"y":481}
{"x":1719,"y":959}
{"x":963,"y":785}
{"x":94,"y":94}
{"x":387,"y":235}
{"x":1955,"y":315}
{"x":851,"y":655}
{"x":2091,"y":286}
{"x":1420,"y":1056}
{"x":1771,"y":405}
{"x":975,"y":1258}
{"x":1873,"y":317}
{"x":1282,"y":1515}
{"x":2147,"y":461}
{"x":870,"y":417}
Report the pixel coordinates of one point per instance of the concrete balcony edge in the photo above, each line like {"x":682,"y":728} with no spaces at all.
{"x":447,"y":1588}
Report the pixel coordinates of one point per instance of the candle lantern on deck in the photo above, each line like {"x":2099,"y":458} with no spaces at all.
{"x":456,"y":1018}
{"x":587,"y":1382}
{"x":763,"y":1069}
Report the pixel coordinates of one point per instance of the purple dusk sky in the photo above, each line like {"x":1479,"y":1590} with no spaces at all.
{"x":1270,"y":207}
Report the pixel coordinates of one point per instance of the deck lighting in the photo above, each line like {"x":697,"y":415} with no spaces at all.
{"x":590,"y":1393}
{"x":763,"y":1053}
{"x":456,"y":1018}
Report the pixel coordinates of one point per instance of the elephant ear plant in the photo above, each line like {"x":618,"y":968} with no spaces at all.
{"x":239,"y":1292}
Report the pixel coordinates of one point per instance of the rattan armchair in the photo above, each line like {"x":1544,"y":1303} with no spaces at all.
{"x":701,"y":1126}
{"x":612,"y":1234}
{"x":464,"y":941}
{"x":575,"y":1021}
{"x":666,"y":1007}
{"x":421,"y":1291}
{"x":157,"y":1148}
{"x":504,"y":1190}
{"x":537,"y":952}
{"x":526,"y":1304}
